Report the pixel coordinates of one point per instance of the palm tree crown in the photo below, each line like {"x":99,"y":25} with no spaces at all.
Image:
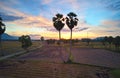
{"x":58,"y":21}
{"x":71,"y":20}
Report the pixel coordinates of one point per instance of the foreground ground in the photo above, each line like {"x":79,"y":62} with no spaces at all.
{"x":38,"y":69}
{"x":52,"y":53}
{"x":46,"y":62}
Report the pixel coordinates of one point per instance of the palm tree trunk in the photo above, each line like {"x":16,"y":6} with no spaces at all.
{"x":59,"y":36}
{"x":60,"y":46}
{"x":71,"y":36}
{"x":71,"y":41}
{"x":69,"y":59}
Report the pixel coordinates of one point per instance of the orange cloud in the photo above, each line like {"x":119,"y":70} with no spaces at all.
{"x":28,"y":20}
{"x":36,"y":21}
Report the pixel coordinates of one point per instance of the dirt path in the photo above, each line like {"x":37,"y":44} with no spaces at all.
{"x":47,"y":53}
{"x":89,"y":56}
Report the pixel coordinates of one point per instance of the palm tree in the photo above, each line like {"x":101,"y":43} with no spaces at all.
{"x":58,"y":23}
{"x":71,"y":21}
{"x":2,"y":30}
{"x":105,"y":39}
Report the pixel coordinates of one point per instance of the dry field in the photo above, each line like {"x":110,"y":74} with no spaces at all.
{"x":38,"y":69}
{"x":20,"y":68}
{"x":9,"y":47}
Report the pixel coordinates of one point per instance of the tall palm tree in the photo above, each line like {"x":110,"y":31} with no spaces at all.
{"x":58,"y":24}
{"x":71,"y":21}
{"x":2,"y":30}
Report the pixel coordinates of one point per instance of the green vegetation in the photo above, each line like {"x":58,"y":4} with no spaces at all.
{"x":115,"y":73}
{"x":26,"y":41}
{"x":84,"y":44}
{"x":10,"y":47}
{"x":98,"y":45}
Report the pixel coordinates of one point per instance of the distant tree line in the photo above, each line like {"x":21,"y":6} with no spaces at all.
{"x":112,"y":40}
{"x":88,"y":40}
{"x":106,"y":41}
{"x":65,"y":41}
{"x":50,"y":41}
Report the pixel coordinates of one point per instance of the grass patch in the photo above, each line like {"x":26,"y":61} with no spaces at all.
{"x":10,"y":47}
{"x":115,"y":73}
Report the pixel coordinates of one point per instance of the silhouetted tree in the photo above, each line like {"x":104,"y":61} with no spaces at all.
{"x":2,"y":30}
{"x":104,"y":40}
{"x":50,"y":41}
{"x":42,"y":38}
{"x":2,"y":27}
{"x":110,"y":40}
{"x":26,"y":41}
{"x":42,"y":41}
{"x":58,"y":23}
{"x":71,"y":21}
{"x":76,"y":40}
{"x":116,"y":42}
{"x":87,"y":40}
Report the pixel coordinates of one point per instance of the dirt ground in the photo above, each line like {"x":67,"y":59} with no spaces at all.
{"x":38,"y":69}
{"x":99,"y":57}
{"x":47,"y":62}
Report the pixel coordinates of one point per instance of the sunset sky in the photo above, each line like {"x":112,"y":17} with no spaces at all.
{"x":34,"y":17}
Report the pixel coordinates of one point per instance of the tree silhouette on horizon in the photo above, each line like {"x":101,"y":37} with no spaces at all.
{"x":71,"y":21}
{"x":2,"y":27}
{"x":116,"y":42}
{"x":2,"y":30}
{"x":58,"y":23}
{"x":26,"y":41}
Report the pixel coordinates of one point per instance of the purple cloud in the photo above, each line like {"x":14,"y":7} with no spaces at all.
{"x":7,"y":17}
{"x":82,"y":29}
